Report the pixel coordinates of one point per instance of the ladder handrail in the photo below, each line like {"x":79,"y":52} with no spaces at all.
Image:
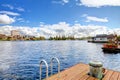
{"x":52,"y":65}
{"x":41,"y":68}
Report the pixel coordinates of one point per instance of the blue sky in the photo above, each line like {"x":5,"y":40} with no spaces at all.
{"x":33,"y":13}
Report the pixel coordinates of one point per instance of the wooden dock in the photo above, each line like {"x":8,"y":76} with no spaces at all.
{"x":79,"y":72}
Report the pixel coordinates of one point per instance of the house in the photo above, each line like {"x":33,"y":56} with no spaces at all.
{"x":3,"y":37}
{"x":103,"y":38}
{"x":15,"y":34}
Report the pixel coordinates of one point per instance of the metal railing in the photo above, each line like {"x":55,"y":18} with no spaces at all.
{"x":41,"y":69}
{"x":51,"y":65}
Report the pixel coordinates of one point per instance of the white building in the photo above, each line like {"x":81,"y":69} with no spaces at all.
{"x":102,"y":38}
{"x":15,"y":33}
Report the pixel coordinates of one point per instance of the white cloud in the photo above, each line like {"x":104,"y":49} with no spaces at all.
{"x":84,"y":15}
{"x":22,"y":20}
{"x":5,"y":19}
{"x":100,"y":3}
{"x":93,"y":18}
{"x":57,"y":2}
{"x":12,"y":7}
{"x":20,"y":9}
{"x":63,"y":2}
{"x":7,"y":5}
{"x":76,"y":21}
{"x":90,"y":3}
{"x":62,"y":28}
{"x":9,"y":13}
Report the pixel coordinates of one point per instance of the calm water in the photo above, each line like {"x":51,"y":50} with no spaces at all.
{"x":19,"y":60}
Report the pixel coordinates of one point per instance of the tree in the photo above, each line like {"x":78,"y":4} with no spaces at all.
{"x":118,"y":38}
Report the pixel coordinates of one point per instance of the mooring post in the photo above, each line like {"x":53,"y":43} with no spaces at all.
{"x":96,"y":68}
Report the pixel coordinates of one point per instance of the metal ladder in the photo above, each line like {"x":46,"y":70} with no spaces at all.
{"x":51,"y":67}
{"x":41,"y":68}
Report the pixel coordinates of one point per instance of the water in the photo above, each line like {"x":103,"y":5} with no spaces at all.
{"x":19,"y":60}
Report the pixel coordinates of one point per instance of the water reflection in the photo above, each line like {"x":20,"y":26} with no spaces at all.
{"x":20,"y":60}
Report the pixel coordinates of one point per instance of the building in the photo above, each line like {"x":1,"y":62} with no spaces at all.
{"x":102,"y":38}
{"x":15,"y":33}
{"x":3,"y":37}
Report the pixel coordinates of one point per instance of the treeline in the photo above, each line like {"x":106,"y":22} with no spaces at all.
{"x":38,"y":38}
{"x":68,"y":38}
{"x":62,"y":38}
{"x":118,"y":38}
{"x":33,"y":38}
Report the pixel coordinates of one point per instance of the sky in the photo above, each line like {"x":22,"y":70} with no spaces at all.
{"x":79,"y":18}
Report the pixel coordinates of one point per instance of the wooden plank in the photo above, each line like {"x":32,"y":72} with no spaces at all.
{"x":85,"y":77}
{"x":80,"y":75}
{"x":119,"y":76}
{"x":72,"y":77}
{"x":68,"y":73}
{"x":62,"y":73}
{"x":79,"y":72}
{"x":73,"y":73}
{"x":114,"y":76}
{"x":90,"y":78}
{"x":108,"y":75}
{"x":106,"y":71}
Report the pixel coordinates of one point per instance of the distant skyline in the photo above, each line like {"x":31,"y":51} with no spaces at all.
{"x":60,"y":17}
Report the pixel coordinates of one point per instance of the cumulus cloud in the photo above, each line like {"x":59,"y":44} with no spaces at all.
{"x":9,"y":13}
{"x":91,"y":3}
{"x":100,"y":3}
{"x":60,"y":29}
{"x":93,"y":18}
{"x":5,"y":19}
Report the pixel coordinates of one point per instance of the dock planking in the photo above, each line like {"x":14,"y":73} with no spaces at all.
{"x":80,"y":72}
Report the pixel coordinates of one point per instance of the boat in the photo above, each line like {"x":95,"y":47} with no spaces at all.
{"x":113,"y":46}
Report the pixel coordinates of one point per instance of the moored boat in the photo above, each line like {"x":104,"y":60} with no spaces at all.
{"x":112,"y":47}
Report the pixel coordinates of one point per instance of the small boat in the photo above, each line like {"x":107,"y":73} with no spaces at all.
{"x":111,"y":48}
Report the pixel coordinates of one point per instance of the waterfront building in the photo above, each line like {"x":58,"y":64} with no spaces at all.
{"x":102,"y":38}
{"x":15,"y":33}
{"x":3,"y":37}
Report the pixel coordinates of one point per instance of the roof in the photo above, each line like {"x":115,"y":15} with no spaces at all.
{"x":105,"y":36}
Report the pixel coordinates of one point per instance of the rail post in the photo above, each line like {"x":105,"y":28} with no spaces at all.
{"x":51,"y":65}
{"x":43,"y":61}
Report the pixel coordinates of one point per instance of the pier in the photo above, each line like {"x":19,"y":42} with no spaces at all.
{"x":80,"y":72}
